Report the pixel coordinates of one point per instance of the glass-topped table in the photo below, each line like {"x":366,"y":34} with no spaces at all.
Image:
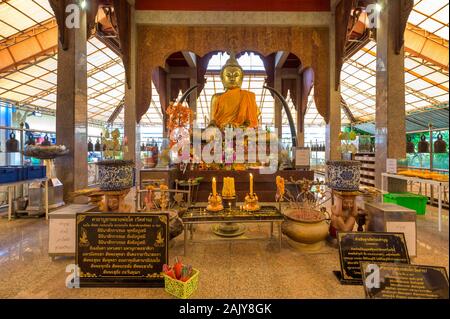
{"x":199,"y":215}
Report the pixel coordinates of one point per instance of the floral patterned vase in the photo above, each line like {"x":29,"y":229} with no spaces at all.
{"x":115,"y":175}
{"x":343,"y":175}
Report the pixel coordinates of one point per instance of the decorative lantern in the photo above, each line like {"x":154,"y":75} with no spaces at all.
{"x":423,"y":146}
{"x":440,"y":146}
{"x":410,"y":148}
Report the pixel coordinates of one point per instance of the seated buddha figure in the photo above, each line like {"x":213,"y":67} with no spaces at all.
{"x":235,"y":107}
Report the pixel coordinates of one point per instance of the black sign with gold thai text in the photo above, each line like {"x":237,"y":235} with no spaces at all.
{"x":356,"y":247}
{"x":122,"y":249}
{"x":400,"y":281}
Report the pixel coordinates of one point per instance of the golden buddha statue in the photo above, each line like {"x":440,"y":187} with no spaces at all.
{"x":233,"y":107}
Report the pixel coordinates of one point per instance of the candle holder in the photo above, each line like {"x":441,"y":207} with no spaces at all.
{"x":229,"y":202}
{"x":214,"y":203}
{"x":251,"y":203}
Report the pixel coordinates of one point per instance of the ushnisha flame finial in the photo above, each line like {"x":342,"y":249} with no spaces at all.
{"x":232,"y":61}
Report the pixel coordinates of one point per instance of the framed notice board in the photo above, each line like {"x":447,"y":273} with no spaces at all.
{"x":401,"y":281}
{"x":302,"y":157}
{"x":122,"y":249}
{"x":357,"y":247}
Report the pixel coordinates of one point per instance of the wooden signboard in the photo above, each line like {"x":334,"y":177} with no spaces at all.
{"x":356,"y":247}
{"x":122,"y":249}
{"x":401,"y":281}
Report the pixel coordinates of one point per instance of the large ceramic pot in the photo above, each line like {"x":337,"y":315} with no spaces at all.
{"x":115,"y":175}
{"x":343,"y":175}
{"x":306,"y":234}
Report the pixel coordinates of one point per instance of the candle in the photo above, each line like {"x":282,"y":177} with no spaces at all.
{"x":251,"y":183}
{"x":228,"y":187}
{"x":214,"y":186}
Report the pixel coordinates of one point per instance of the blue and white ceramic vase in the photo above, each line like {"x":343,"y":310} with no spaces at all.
{"x":115,"y":175}
{"x":343,"y":175}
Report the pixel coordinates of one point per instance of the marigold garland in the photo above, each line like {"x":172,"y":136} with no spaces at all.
{"x":179,"y":116}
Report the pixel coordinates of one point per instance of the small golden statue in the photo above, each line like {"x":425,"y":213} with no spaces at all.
{"x":214,"y":203}
{"x":251,"y":203}
{"x":233,"y":107}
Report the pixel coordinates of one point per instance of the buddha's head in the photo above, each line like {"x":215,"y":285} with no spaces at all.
{"x":232,"y":73}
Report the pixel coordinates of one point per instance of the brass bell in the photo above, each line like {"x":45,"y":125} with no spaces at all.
{"x":31,"y":140}
{"x":440,"y":146}
{"x":12,"y":145}
{"x":410,"y":148}
{"x":423,"y":146}
{"x":98,"y":147}
{"x":90,"y":146}
{"x":46,"y":141}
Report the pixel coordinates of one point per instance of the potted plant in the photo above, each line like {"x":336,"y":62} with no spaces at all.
{"x":114,"y":173}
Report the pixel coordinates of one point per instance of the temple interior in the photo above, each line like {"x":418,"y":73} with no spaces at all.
{"x":155,"y":150}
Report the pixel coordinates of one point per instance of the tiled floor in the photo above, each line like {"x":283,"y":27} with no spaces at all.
{"x":236,"y":269}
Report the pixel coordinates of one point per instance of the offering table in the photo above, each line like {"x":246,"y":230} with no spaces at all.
{"x":199,"y":215}
{"x":264,"y":184}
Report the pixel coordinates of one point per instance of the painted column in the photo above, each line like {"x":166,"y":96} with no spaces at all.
{"x":71,"y":109}
{"x":131,"y":128}
{"x":332,"y":142}
{"x":300,"y":116}
{"x":390,"y":140}
{"x":278,"y":107}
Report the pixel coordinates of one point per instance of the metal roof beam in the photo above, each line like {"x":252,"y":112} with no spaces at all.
{"x":426,"y":45}
{"x":27,"y":46}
